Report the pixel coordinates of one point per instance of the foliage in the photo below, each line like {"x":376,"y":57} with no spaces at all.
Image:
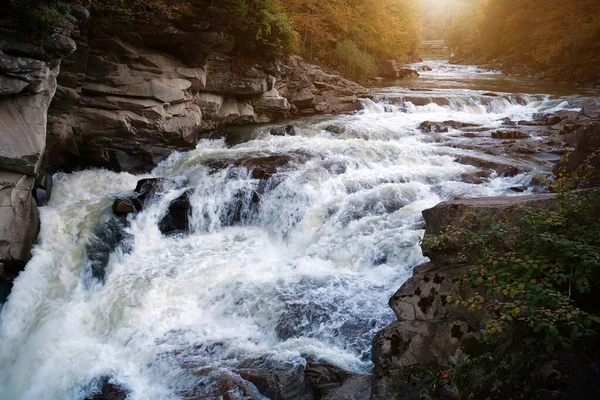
{"x":353,"y":62}
{"x":328,"y":31}
{"x":532,"y":274}
{"x":384,"y":29}
{"x":527,"y":31}
{"x":552,"y":262}
{"x":42,"y":17}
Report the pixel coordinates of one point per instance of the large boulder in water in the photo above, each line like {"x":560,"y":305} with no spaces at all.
{"x":177,"y":218}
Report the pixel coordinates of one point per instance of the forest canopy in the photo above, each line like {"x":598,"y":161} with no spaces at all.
{"x":346,"y":34}
{"x":542,"y":32}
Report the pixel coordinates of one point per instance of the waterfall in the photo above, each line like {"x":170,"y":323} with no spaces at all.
{"x":294,"y":246}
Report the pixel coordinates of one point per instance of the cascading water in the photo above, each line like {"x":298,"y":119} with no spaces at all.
{"x":298,"y":263}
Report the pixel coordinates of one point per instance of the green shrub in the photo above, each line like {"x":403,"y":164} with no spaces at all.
{"x":353,"y":62}
{"x":42,"y":17}
{"x":532,"y":275}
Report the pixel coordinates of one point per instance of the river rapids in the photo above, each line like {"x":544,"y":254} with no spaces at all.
{"x":304,"y":272}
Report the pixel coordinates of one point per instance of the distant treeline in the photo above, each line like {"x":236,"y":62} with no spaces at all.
{"x":346,"y":34}
{"x":541,"y":32}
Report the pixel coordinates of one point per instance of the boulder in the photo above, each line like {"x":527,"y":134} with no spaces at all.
{"x":489,"y":164}
{"x":354,"y":388}
{"x":19,"y":222}
{"x":433,"y":127}
{"x":404,"y":73}
{"x":586,"y":142}
{"x":454,"y":212}
{"x":510,"y":135}
{"x":176,"y":220}
{"x":430,"y":335}
{"x":209,"y":104}
{"x":271,"y":103}
{"x":283,"y":131}
{"x":105,"y":389}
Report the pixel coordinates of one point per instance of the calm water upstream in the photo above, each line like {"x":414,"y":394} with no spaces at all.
{"x":306,"y":272}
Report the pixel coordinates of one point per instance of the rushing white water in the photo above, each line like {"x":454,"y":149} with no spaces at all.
{"x":308,"y":271}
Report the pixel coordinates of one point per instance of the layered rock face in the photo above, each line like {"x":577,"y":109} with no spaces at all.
{"x":132,"y":94}
{"x":28,"y":81}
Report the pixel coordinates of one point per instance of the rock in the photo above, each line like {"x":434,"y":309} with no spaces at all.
{"x":324,"y":378}
{"x":105,"y":389}
{"x":19,"y":222}
{"x":337,"y":129}
{"x":500,"y":168}
{"x":221,"y":78}
{"x":429,"y":334}
{"x":149,"y":187}
{"x":459,"y":125}
{"x":177,"y":218}
{"x":509,"y":135}
{"x":587,"y":144}
{"x":433,"y":127}
{"x":283,"y":131}
{"x":591,"y":111}
{"x":219,"y":384}
{"x":276,"y":380}
{"x":453,"y":213}
{"x":407,"y":73}
{"x":408,"y":343}
{"x":108,"y":236}
{"x":353,"y":388}
{"x":303,"y":99}
{"x":23,"y":119}
{"x":210,"y":104}
{"x":272,"y":103}
{"x":388,"y":69}
{"x":476,"y":178}
{"x":123,"y":207}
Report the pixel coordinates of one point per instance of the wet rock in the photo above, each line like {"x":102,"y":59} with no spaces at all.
{"x":283,"y":131}
{"x":433,"y":127}
{"x":407,"y":73}
{"x":337,"y":129}
{"x":476,"y":178}
{"x":177,"y":218}
{"x":276,"y":380}
{"x":500,"y":168}
{"x":218,"y":384}
{"x":510,"y":135}
{"x":106,"y":389}
{"x":147,"y":188}
{"x":107,"y":238}
{"x":124,"y":207}
{"x":459,"y":125}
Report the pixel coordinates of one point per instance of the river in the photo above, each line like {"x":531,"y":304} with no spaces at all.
{"x":304,"y":272}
